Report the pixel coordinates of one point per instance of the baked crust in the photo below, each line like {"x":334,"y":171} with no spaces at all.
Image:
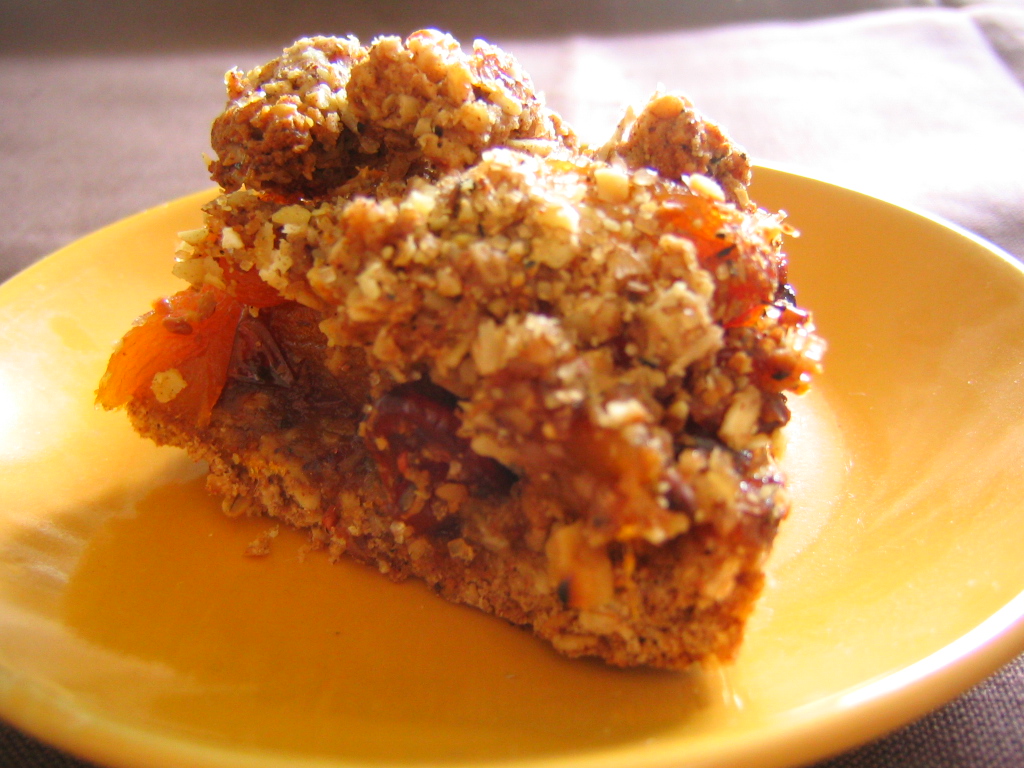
{"x":547,"y":379}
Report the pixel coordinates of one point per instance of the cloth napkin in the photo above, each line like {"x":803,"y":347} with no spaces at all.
{"x":104,"y":113}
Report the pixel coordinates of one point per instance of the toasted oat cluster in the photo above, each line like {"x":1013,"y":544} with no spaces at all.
{"x":428,"y":325}
{"x":327,"y":108}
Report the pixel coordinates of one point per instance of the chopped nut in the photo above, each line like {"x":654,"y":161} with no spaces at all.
{"x":619,"y":413}
{"x":295,"y":215}
{"x":612,"y":184}
{"x":461,"y":550}
{"x":167,"y":385}
{"x":706,"y":187}
{"x":260,"y":546}
{"x":194,"y":236}
{"x":740,"y":422}
{"x":230,"y":239}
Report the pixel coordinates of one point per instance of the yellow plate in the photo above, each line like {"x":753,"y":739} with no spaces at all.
{"x":134,"y":632}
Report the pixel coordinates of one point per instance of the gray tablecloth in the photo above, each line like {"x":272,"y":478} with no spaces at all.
{"x":104,"y":111}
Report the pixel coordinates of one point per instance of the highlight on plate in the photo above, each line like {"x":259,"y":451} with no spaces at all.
{"x":428,"y":325}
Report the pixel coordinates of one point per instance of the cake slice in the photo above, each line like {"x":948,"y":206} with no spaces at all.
{"x":430,"y":327}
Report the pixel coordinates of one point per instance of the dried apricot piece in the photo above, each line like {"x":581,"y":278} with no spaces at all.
{"x":176,"y":356}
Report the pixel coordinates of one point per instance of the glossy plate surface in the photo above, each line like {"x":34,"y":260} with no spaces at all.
{"x":134,"y":632}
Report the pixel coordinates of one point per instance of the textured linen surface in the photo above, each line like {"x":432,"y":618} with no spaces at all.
{"x":105,"y":113}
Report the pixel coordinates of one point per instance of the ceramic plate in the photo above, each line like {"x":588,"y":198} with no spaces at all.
{"x":134,"y":631}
